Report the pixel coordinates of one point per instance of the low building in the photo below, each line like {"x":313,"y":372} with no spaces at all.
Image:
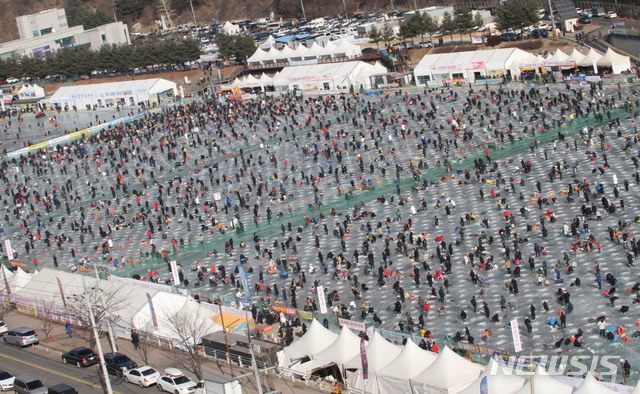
{"x":45,"y":32}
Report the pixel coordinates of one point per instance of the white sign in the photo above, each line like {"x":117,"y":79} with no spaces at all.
{"x":141,"y":283}
{"x":355,"y":325}
{"x":174,"y":271}
{"x":515,"y":332}
{"x":8,"y":249}
{"x":322,"y":301}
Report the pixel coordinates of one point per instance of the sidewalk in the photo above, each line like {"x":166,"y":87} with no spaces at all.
{"x":159,"y":358}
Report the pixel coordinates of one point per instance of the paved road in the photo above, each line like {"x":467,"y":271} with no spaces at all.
{"x":49,"y":369}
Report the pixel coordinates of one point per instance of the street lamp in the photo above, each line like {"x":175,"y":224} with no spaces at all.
{"x":194,"y":13}
{"x":96,"y":268}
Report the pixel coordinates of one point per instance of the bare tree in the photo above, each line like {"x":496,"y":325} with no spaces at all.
{"x":189,"y":325}
{"x":144,"y":350}
{"x":105,"y":302}
{"x":5,"y":307}
{"x":46,"y":317}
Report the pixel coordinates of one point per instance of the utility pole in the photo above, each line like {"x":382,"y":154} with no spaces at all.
{"x":195,"y":23}
{"x":107,"y":381}
{"x":553,"y":23}
{"x":304,"y":15}
{"x":224,"y":331}
{"x":346,"y":15}
{"x":112,"y":338}
{"x":254,"y":364}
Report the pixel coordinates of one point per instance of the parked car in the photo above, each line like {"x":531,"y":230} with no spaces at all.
{"x":22,"y":336}
{"x":6,"y":380}
{"x":585,"y":20}
{"x":12,"y":80}
{"x":25,"y":384}
{"x":144,"y":376}
{"x":117,"y":363}
{"x":3,"y":328}
{"x":610,"y":15}
{"x":425,"y":44}
{"x":62,"y":388}
{"x":509,"y":37}
{"x":539,"y":33}
{"x":80,"y":356}
{"x":175,"y":382}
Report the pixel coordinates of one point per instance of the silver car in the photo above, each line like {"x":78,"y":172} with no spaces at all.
{"x":22,"y":336}
{"x":25,"y":384}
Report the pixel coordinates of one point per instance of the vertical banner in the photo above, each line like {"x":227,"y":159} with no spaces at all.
{"x":363,"y":358}
{"x":484,"y":387}
{"x":245,"y":285}
{"x":515,"y":332}
{"x":64,"y":299}
{"x":322,"y":300}
{"x":174,"y":271}
{"x":153,"y":311}
{"x":6,"y":281}
{"x":8,"y":249}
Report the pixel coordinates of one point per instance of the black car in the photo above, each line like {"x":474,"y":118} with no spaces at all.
{"x":62,"y":389}
{"x":80,"y":356}
{"x":509,"y":37}
{"x":585,"y":20}
{"x":117,"y":363}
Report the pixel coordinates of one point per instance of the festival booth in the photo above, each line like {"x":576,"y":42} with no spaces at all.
{"x":343,"y":349}
{"x":469,"y":66}
{"x":125,"y":93}
{"x":449,"y":373}
{"x":333,"y":51}
{"x":380,"y":353}
{"x":30,"y":93}
{"x":13,"y":281}
{"x":617,"y":62}
{"x":590,"y":60}
{"x":329,"y":78}
{"x":316,"y":339}
{"x":543,"y":383}
{"x":497,"y":382}
{"x":591,"y":386}
{"x":394,"y":378}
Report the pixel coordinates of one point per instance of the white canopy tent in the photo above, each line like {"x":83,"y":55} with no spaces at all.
{"x":545,"y":384}
{"x":313,"y":342}
{"x":343,"y":349}
{"x":449,"y":373}
{"x":328,"y":78}
{"x":30,"y":92}
{"x":16,"y":280}
{"x":380,"y":353}
{"x":591,"y":386}
{"x":257,"y":57}
{"x":497,"y":381}
{"x":590,"y":58}
{"x":230,"y":28}
{"x":268,"y":43}
{"x":575,"y":56}
{"x":410,"y":363}
{"x":636,"y":390}
{"x":618,"y":63}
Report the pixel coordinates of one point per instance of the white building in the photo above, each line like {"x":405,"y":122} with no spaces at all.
{"x":147,"y":91}
{"x":436,"y":12}
{"x":48,"y":31}
{"x":329,"y":78}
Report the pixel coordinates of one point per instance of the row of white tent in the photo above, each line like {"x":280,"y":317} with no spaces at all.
{"x":301,"y":54}
{"x":410,"y":369}
{"x":57,"y":289}
{"x":618,"y":63}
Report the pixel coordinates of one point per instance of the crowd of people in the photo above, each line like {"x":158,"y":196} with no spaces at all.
{"x":443,"y":213}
